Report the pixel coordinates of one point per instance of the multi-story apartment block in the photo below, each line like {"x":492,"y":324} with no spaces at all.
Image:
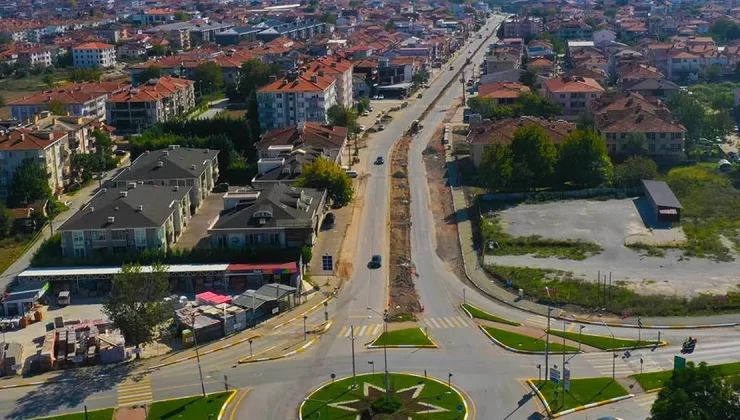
{"x":44,"y":148}
{"x":152,"y":16}
{"x":296,"y":98}
{"x":341,"y":70}
{"x":522,"y":27}
{"x":127,"y":220}
{"x":156,"y":100}
{"x":570,"y":29}
{"x":94,"y":54}
{"x":79,"y":100}
{"x":35,"y":56}
{"x":176,"y":166}
{"x":575,"y":94}
{"x":683,"y":66}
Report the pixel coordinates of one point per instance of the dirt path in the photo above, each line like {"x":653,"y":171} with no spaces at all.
{"x":131,"y":413}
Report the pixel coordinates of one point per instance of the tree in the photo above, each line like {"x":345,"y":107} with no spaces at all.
{"x":328,"y":175}
{"x":389,"y":27}
{"x":689,"y":112}
{"x":717,"y":124}
{"x":85,"y":165}
{"x":56,"y":107}
{"x":86,"y":75}
{"x":136,"y":303}
{"x":158,"y":50}
{"x":343,"y":117}
{"x":328,"y":18}
{"x":30,"y":183}
{"x":585,"y":120}
{"x":48,"y":80}
{"x":697,"y":392}
{"x":152,"y":72}
{"x":496,"y":167}
{"x":6,"y":221}
{"x":208,"y":77}
{"x":182,"y":16}
{"x":583,"y":159}
{"x":711,"y":74}
{"x":528,"y":78}
{"x":534,"y":157}
{"x":631,"y":173}
{"x":363,"y":105}
{"x":419,"y":78}
{"x":637,"y":144}
{"x":3,"y":101}
{"x":529,"y":103}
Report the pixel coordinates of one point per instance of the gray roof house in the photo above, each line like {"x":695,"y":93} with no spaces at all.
{"x":277,"y":216}
{"x":126,"y":220}
{"x":184,"y":167}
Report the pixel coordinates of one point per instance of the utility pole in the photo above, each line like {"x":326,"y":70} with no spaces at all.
{"x":563,"y":379}
{"x":547,"y":340}
{"x":462,"y":80}
{"x":197,"y":357}
{"x":354,"y":371}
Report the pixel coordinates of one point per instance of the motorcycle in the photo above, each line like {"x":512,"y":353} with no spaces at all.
{"x":689,"y":345}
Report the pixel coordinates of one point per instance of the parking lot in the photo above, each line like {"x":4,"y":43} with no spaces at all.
{"x":611,"y":224}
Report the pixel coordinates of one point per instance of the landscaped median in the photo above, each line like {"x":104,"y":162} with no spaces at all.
{"x":475,"y":312}
{"x":410,"y":396}
{"x":520,"y":343}
{"x":653,"y":381}
{"x":605,"y":342}
{"x":583,"y":394}
{"x":402,"y":339}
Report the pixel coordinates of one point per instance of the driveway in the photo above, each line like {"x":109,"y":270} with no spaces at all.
{"x":196,"y":232}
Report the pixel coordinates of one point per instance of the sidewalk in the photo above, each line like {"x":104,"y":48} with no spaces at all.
{"x":481,"y":280}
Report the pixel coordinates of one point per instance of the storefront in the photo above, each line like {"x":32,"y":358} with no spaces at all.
{"x":23,"y":297}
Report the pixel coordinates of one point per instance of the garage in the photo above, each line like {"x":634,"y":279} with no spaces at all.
{"x":666,"y":206}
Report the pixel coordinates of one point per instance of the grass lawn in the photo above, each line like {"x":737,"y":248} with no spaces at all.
{"x":535,"y":245}
{"x":601,"y":342}
{"x":433,"y":393}
{"x":104,"y":414}
{"x":189,"y":408}
{"x":477,"y":313}
{"x":408,"y":337}
{"x":582,"y":392}
{"x":655,"y":380}
{"x":10,"y":249}
{"x":525,"y":342}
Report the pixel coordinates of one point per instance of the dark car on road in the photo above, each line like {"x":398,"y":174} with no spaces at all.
{"x":379,"y":160}
{"x":376,"y":261}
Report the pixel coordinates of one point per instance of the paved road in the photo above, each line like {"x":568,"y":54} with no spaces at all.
{"x":492,"y":377}
{"x":215,"y":107}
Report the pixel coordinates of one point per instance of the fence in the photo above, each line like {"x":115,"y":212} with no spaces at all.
{"x":560,"y":195}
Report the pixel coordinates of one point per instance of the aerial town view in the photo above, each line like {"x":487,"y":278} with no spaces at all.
{"x":370,"y":210}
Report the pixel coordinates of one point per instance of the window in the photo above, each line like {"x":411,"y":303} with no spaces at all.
{"x":97,"y":235}
{"x":80,"y":252}
{"x":140,"y":235}
{"x":118,"y":235}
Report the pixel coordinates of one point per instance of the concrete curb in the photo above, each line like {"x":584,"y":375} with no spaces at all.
{"x":226,"y":404}
{"x":311,"y":309}
{"x":224,"y":347}
{"x":650,"y":391}
{"x":454,"y":387}
{"x":575,"y":409}
{"x":661,"y":343}
{"x":282,"y":356}
{"x":512,"y":323}
{"x":406,"y":346}
{"x":513,"y":350}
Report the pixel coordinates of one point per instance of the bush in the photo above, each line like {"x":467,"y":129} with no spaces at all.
{"x":387,"y":404}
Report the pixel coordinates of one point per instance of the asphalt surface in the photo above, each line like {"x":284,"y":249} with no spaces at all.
{"x":491,"y":378}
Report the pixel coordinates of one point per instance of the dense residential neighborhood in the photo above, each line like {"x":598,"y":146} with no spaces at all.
{"x":193,"y":191}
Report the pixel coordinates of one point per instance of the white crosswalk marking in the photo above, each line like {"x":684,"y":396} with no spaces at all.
{"x":376,"y":330}
{"x":434,"y":322}
{"x":537,"y":321}
{"x":446,"y":322}
{"x":362,"y":331}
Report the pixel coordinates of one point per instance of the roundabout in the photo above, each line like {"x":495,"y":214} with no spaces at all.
{"x":407,"y":396}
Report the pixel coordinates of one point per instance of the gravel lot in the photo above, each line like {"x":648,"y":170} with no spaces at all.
{"x":611,"y":223}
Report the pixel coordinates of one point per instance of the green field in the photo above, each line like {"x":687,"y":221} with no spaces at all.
{"x":12,"y":248}
{"x":601,"y":342}
{"x":104,"y":414}
{"x":433,"y":392}
{"x":189,"y":408}
{"x":655,"y":380}
{"x":537,"y":246}
{"x":405,"y":337}
{"x":525,"y":342}
{"x":480,"y":314}
{"x":582,"y":392}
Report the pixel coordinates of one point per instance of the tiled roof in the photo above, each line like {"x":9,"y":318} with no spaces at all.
{"x":313,"y":135}
{"x":94,"y":46}
{"x":147,"y":92}
{"x":77,"y":93}
{"x":502,"y":131}
{"x":502,"y":90}
{"x":573,"y":85}
{"x":299,"y":83}
{"x":24,"y":139}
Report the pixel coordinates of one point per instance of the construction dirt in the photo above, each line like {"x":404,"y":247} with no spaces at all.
{"x":440,"y":202}
{"x":131,"y":413}
{"x":402,"y":294}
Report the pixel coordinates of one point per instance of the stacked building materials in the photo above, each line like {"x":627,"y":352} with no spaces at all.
{"x":13,"y":359}
{"x":112,"y":347}
{"x":46,"y":357}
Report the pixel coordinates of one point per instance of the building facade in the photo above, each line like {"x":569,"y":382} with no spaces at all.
{"x":43,"y":148}
{"x":155,"y":101}
{"x":522,"y":27}
{"x":575,"y":94}
{"x":85,"y":100}
{"x":296,"y":98}
{"x":94,"y":55}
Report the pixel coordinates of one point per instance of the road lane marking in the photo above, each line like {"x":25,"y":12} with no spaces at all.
{"x":362,"y":331}
{"x":132,"y":391}
{"x":377,"y":329}
{"x":433,"y":322}
{"x":343,"y":331}
{"x":237,"y":403}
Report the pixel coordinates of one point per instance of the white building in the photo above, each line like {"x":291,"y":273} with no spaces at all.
{"x":94,"y":54}
{"x":296,"y":98}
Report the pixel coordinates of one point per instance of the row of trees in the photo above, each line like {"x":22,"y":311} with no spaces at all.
{"x":532,"y":161}
{"x":698,"y":120}
{"x":526,"y":104}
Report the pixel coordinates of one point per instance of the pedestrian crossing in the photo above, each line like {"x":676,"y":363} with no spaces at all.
{"x":372,"y":330}
{"x":646,"y":401}
{"x":135,"y":391}
{"x":606,"y":364}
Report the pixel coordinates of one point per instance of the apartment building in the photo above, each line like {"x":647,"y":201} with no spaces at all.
{"x":85,"y":100}
{"x":522,"y":27}
{"x":94,"y":55}
{"x":152,"y":16}
{"x":570,"y":29}
{"x":175,"y":166}
{"x":44,"y":148}
{"x":296,"y":98}
{"x":35,"y":56}
{"x":157,"y":100}
{"x":575,"y":94}
{"x":127,"y":220}
{"x":341,"y":70}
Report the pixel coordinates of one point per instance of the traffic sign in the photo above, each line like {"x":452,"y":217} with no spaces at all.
{"x":555,"y":375}
{"x":327,"y":262}
{"x":679,"y":362}
{"x":459,"y":408}
{"x":566,"y":379}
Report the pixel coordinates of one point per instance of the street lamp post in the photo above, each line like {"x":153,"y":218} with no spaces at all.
{"x":354,"y":371}
{"x":197,"y":357}
{"x":547,"y":339}
{"x":305,"y":334}
{"x":250,"y":347}
{"x":385,"y":351}
{"x":326,"y":311}
{"x":449,"y":380}
{"x":614,"y":353}
{"x":580,"y":337}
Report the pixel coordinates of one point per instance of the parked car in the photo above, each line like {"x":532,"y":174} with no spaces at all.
{"x":376,"y":261}
{"x":379,"y":160}
{"x":329,"y":219}
{"x":351,"y":173}
{"x":362,"y":127}
{"x":366,"y":113}
{"x":381,"y":127}
{"x":221,"y":187}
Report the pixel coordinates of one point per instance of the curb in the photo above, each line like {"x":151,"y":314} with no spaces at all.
{"x":512,"y":323}
{"x":282,"y":356}
{"x":575,"y":409}
{"x":311,"y":309}
{"x":406,"y":346}
{"x":224,"y":347}
{"x":513,"y":350}
{"x":462,"y":306}
{"x":226,"y":404}
{"x":454,"y":387}
{"x":661,"y":343}
{"x":651,"y":391}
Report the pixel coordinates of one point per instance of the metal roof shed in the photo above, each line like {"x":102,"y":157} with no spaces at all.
{"x":664,"y":202}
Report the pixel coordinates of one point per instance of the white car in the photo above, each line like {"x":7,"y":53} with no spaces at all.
{"x":375,"y":97}
{"x":362,"y":127}
{"x":68,"y":203}
{"x":381,"y":97}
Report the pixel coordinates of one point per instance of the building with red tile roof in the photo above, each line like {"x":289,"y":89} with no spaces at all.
{"x":575,"y":94}
{"x":296,"y":98}
{"x":45,"y":148}
{"x":504,"y":93}
{"x":85,"y":99}
{"x":157,"y":100}
{"x":94,"y":54}
{"x":340,"y":69}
